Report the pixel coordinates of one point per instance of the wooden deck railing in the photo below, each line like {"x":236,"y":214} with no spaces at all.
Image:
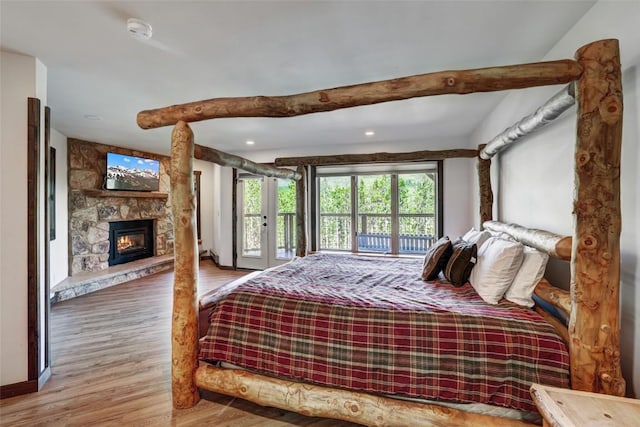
{"x":407,"y":243}
{"x":416,"y":232}
{"x":416,"y":235}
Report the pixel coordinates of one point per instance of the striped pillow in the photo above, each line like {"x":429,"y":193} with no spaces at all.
{"x":436,"y":258}
{"x":459,"y":266}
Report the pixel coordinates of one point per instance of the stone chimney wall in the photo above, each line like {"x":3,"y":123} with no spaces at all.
{"x":89,"y":216}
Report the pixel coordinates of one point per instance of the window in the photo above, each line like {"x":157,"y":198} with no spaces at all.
{"x":286,"y":218}
{"x":378,"y":208}
{"x":335,"y":212}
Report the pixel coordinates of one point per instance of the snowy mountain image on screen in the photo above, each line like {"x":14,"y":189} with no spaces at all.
{"x":132,"y":173}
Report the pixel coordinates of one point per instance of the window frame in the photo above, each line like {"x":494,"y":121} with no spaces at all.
{"x":435,"y":167}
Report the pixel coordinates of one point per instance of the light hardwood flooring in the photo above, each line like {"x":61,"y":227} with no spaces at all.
{"x":111,"y":365}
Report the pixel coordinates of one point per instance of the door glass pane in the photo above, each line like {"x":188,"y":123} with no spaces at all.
{"x":335,"y":212}
{"x":374,"y":213}
{"x":417,"y":208}
{"x":286,"y":215}
{"x":252,"y":216}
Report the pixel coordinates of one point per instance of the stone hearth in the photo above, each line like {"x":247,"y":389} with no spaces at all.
{"x":86,"y":282}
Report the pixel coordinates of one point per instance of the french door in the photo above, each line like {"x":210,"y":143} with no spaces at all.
{"x":265,"y":221}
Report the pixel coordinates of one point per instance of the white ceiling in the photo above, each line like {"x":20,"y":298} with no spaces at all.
{"x":209,"y":49}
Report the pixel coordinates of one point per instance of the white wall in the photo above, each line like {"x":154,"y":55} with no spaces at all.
{"x":215,"y":219}
{"x":18,"y":81}
{"x":459,"y":214}
{"x":536,"y":177}
{"x":458,"y":181}
{"x":224,"y":246}
{"x":206,"y":203}
{"x":59,"y":248}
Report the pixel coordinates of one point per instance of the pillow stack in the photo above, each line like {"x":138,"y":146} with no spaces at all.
{"x":496,"y":266}
{"x":505,"y":268}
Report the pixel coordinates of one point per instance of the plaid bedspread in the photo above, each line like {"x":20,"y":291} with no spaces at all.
{"x":372,"y":324}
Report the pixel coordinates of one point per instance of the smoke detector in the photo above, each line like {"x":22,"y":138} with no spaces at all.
{"x":139,"y":29}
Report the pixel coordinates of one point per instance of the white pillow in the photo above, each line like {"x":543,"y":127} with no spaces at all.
{"x":498,"y":263}
{"x":528,"y":276}
{"x":477,"y":237}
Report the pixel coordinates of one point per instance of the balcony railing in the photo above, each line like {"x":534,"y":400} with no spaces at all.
{"x":417,"y":232}
{"x":407,"y":243}
{"x":286,"y":234}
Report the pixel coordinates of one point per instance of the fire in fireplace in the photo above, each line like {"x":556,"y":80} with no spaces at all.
{"x":130,"y":240}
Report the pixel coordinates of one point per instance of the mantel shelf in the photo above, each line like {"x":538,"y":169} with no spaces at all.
{"x":92,"y":192}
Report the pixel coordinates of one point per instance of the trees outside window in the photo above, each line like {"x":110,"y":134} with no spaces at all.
{"x":253,"y":220}
{"x":335,"y":213}
{"x":394,"y":211}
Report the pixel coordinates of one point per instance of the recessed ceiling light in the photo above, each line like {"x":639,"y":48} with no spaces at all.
{"x":250,"y":142}
{"x":369,"y":133}
{"x":92,"y":117}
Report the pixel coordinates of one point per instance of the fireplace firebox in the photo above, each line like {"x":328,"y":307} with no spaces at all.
{"x":130,"y":240}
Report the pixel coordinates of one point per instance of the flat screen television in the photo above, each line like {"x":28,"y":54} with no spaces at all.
{"x":132,"y":173}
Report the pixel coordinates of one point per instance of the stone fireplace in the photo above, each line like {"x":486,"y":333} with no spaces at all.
{"x":92,"y":210}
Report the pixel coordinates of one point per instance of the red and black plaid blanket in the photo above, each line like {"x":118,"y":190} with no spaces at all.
{"x":371,"y":324}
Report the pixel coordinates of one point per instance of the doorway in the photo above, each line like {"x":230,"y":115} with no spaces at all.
{"x":265,"y":221}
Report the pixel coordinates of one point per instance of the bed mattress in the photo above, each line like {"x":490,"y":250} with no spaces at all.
{"x":371,"y":324}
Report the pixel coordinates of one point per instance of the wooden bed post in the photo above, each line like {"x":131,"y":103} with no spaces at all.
{"x":486,"y":193}
{"x":301,"y":213}
{"x":595,"y":264}
{"x":184,"y":330}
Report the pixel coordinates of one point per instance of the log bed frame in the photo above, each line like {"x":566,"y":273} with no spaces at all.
{"x":594,"y":83}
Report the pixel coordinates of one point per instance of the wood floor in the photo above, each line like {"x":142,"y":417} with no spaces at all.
{"x":111,"y":365}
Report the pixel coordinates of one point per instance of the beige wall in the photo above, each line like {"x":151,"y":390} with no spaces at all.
{"x":20,"y":77}
{"x":536,"y":176}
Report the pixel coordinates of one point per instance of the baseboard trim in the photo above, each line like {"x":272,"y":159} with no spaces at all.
{"x":18,"y":389}
{"x":216,"y":261}
{"x":214,"y":256}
